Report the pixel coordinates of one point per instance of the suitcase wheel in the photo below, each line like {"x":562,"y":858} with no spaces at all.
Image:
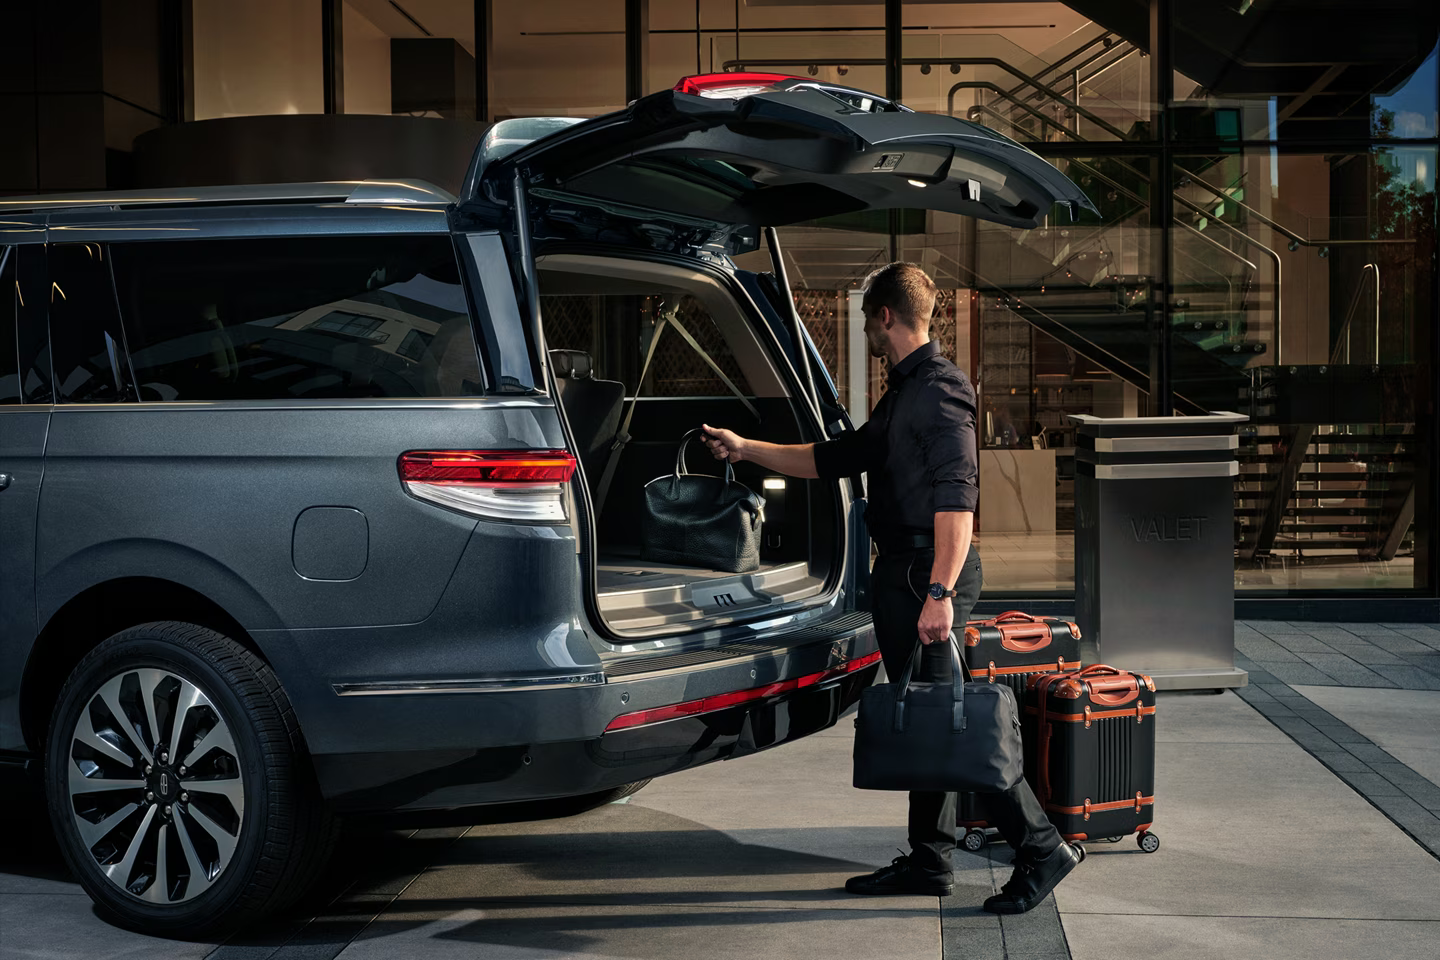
{"x":1148,"y":842}
{"x":973,"y":840}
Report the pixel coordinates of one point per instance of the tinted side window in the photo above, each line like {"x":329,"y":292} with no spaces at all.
{"x":9,"y":293}
{"x":306,"y":317}
{"x":84,"y":327}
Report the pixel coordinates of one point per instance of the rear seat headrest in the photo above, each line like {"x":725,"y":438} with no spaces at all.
{"x":571,"y":364}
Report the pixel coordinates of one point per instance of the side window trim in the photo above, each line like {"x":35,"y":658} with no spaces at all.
{"x":503,"y":331}
{"x":32,"y":324}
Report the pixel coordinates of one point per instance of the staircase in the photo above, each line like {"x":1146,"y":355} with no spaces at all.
{"x":1318,"y":484}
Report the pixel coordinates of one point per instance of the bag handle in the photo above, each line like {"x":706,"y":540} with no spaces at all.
{"x":1012,"y":615}
{"x":680,"y":469}
{"x":1027,"y":639}
{"x":1100,"y":669}
{"x":959,"y":674}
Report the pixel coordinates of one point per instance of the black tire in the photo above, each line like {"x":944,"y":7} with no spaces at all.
{"x":629,"y":790}
{"x":252,"y":778}
{"x":973,"y":840}
{"x":1148,"y":842}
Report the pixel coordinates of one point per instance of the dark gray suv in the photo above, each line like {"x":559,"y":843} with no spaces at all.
{"x":324,"y":498}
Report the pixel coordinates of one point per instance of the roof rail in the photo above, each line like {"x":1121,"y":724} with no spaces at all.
{"x":342,"y":191}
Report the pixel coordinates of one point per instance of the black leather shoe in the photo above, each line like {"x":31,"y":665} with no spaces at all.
{"x":1032,"y":880}
{"x":903,"y":877}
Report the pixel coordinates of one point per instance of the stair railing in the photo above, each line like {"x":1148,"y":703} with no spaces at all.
{"x":1295,"y":238}
{"x":1274,"y":258}
{"x":1343,"y":340}
{"x":1049,"y":91}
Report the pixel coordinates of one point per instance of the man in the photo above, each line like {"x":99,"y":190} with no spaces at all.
{"x":919,"y":450}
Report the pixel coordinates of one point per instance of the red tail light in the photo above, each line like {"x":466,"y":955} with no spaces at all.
{"x":487,"y":466}
{"x":517,"y":485}
{"x":721,"y":701}
{"x":731,"y":86}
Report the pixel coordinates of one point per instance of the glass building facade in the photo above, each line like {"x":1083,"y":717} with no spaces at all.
{"x":1264,"y":170}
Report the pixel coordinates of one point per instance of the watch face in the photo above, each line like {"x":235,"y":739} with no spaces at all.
{"x":937,"y":591}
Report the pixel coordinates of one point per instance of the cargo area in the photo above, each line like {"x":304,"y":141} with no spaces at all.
{"x":713,"y":363}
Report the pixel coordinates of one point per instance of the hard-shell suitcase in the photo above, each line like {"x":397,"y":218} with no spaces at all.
{"x":1011,"y":649}
{"x":1095,"y":754}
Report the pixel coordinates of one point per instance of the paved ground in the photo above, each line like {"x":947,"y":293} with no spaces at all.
{"x":1273,"y":846}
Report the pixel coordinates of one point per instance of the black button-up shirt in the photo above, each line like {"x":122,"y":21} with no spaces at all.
{"x":918,"y":447}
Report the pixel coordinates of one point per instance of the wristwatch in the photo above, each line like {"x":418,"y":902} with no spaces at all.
{"x":938,"y":591}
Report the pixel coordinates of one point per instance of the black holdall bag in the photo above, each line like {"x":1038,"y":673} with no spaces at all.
{"x":943,"y":737}
{"x":698,"y":520}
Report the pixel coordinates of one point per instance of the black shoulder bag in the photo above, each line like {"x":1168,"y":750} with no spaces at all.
{"x":944,"y":737}
{"x":698,"y":520}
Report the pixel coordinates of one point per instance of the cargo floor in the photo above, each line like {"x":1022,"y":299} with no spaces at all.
{"x":642,"y":596}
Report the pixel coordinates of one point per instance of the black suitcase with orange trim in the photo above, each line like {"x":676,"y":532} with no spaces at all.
{"x":1012,"y":649}
{"x":1094,"y":758}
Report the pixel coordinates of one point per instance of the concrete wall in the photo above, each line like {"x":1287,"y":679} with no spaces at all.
{"x":257,"y":57}
{"x":367,"y":64}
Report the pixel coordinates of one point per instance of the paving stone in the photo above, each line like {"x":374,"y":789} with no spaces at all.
{"x":1368,"y":752}
{"x":1254,"y":693}
{"x":1408,"y":677}
{"x":1425,"y":661}
{"x":1341,"y":762}
{"x":1372,"y":785}
{"x":1300,"y":673}
{"x":1366,"y":653}
{"x":1345,"y":670}
{"x":1396,"y":643}
{"x":1274,"y":627}
{"x":1425,"y":634}
{"x":1263,"y":648}
{"x":1406,"y":812}
{"x":1367,"y":629}
{"x":1302,"y":643}
{"x":1342,"y":733}
{"x":1303,"y":733}
{"x":1418,"y":788}
{"x":1036,"y":935}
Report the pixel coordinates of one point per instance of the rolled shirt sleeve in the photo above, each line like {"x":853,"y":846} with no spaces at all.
{"x":946,"y":437}
{"x":844,"y":456}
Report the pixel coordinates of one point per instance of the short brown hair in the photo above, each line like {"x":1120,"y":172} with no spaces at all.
{"x":906,"y":289}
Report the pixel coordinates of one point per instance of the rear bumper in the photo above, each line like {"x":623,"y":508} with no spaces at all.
{"x":427,"y":751}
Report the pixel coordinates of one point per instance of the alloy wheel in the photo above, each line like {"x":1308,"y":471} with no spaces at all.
{"x":155,"y":787}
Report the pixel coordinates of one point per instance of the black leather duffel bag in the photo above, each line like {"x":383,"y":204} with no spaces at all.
{"x":954,"y":736}
{"x":698,"y":520}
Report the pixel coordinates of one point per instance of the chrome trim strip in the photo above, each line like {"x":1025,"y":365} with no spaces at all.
{"x":1216,"y":417}
{"x":1165,"y":444}
{"x":1164,"y":471}
{"x":477,"y":685}
{"x":418,"y":403}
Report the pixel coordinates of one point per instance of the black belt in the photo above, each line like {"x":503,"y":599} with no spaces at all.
{"x":919,"y":541}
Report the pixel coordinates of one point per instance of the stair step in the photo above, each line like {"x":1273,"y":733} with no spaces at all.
{"x":1358,"y":512}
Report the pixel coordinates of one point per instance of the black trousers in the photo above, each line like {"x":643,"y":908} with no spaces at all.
{"x":899,"y":583}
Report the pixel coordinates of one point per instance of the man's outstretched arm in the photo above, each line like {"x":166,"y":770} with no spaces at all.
{"x":791,"y":459}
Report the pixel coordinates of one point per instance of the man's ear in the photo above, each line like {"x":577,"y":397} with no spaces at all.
{"x":887,"y":318}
